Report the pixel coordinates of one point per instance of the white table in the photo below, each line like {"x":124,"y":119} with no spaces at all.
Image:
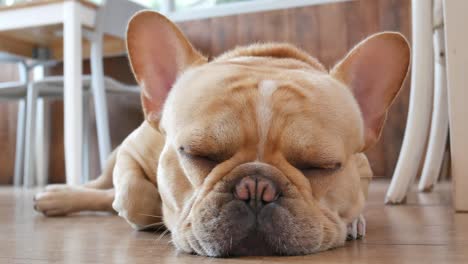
{"x":25,"y":26}
{"x":456,"y":24}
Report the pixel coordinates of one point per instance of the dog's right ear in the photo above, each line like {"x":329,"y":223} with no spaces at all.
{"x":158,"y":53}
{"x":375,"y":70}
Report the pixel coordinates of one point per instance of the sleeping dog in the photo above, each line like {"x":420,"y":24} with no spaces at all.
{"x":256,"y":152}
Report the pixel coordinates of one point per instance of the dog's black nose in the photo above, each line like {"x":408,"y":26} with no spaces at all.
{"x":256,"y":191}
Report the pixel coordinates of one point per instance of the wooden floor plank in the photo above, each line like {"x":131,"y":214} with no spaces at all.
{"x":423,"y":231}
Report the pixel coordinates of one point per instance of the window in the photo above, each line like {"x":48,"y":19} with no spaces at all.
{"x":188,"y":4}
{"x":185,"y":4}
{"x":155,"y":4}
{"x":179,"y":10}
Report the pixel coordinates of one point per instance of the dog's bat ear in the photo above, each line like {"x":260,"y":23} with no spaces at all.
{"x":158,"y":52}
{"x":375,"y":70}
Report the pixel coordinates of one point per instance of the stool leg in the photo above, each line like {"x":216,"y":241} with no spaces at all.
{"x":439,"y":123}
{"x":42,"y":143}
{"x":419,"y":113}
{"x":31,"y":102}
{"x":86,"y":131}
{"x":456,"y":43}
{"x":19,"y":155}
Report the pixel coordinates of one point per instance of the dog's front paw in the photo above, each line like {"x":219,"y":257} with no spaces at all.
{"x":120,"y":207}
{"x":138,"y":203}
{"x":56,"y":200}
{"x":356,"y":229}
{"x":137,"y":217}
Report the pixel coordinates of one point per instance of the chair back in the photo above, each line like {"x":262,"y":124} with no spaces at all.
{"x":111,"y":19}
{"x":113,"y":16}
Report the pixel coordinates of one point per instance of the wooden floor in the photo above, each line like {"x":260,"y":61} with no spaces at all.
{"x":425,"y":230}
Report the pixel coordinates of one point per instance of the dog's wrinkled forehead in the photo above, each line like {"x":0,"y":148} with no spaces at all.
{"x":254,"y":90}
{"x":246,"y":67}
{"x":291,"y":55}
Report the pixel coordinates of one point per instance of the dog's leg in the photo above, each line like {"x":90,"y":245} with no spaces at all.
{"x":67,"y":199}
{"x":62,"y":199}
{"x":137,"y":198}
{"x":352,"y":196}
{"x":356,"y":229}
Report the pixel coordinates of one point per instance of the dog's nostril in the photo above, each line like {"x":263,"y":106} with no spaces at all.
{"x":258,"y":189}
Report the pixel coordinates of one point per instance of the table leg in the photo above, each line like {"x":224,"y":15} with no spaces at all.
{"x":456,"y":42}
{"x":73,"y":92}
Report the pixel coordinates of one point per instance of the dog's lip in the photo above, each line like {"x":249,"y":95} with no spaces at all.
{"x":255,"y":241}
{"x":264,"y":238}
{"x":253,"y":244}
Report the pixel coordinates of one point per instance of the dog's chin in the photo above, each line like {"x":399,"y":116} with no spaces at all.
{"x":261,"y":240}
{"x":249,"y":236}
{"x":254,"y":244}
{"x":230,"y":228}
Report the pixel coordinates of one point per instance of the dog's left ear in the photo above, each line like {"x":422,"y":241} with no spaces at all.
{"x":374,"y":70}
{"x":158,"y":52}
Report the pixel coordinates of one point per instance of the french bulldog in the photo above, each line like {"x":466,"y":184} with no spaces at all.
{"x":256,"y":152}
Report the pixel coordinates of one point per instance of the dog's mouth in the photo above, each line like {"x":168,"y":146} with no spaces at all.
{"x":254,"y":244}
{"x":252,"y":233}
{"x":234,"y":229}
{"x":265,"y":236}
{"x":256,"y":211}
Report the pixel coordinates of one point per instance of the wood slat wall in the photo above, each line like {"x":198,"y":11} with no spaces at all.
{"x":325,"y":31}
{"x":8,"y":114}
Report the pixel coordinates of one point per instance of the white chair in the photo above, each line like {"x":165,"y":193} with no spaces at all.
{"x":96,"y":83}
{"x":420,"y":103}
{"x":430,"y":21}
{"x":440,"y":118}
{"x":17,"y":91}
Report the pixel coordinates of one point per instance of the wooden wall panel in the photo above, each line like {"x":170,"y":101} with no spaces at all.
{"x":325,"y":31}
{"x":305,"y":29}
{"x":249,"y":28}
{"x":8,"y":114}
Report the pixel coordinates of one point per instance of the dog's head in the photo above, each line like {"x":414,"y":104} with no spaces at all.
{"x":261,"y":141}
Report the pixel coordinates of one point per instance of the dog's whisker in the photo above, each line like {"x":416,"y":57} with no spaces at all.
{"x":156,"y":231}
{"x":159,"y":228}
{"x":155,"y":216}
{"x":170,"y":241}
{"x":162,"y":235}
{"x":153,"y":224}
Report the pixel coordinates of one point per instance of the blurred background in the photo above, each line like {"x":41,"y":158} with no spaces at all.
{"x":327,"y":29}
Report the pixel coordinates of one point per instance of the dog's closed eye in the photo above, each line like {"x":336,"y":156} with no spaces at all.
{"x":319,"y":168}
{"x":198,"y":156}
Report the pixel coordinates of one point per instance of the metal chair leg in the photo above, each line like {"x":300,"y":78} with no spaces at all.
{"x":31,"y":101}
{"x":41,"y":143}
{"x":440,"y":119}
{"x":19,"y":155}
{"x":419,"y":113}
{"x":86,"y":131}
